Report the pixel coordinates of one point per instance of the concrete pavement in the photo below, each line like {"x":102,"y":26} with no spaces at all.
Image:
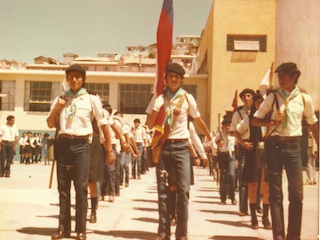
{"x":29,"y":210}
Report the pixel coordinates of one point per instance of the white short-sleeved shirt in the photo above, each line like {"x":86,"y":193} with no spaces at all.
{"x":139,"y":134}
{"x":87,"y":107}
{"x":228,"y":141}
{"x":238,"y":118}
{"x":180,"y":127}
{"x":8,"y":133}
{"x":297,"y":106}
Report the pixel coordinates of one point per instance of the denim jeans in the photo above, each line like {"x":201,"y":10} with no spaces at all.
{"x":73,"y":162}
{"x":111,"y":175}
{"x":136,"y":162}
{"x":124,"y":161}
{"x":117,"y":174}
{"x":174,"y":157}
{"x":7,"y":153}
{"x":227,"y":175}
{"x":243,"y":187}
{"x":285,"y":154}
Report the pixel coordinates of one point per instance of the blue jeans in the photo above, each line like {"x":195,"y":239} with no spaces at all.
{"x":243,"y":187}
{"x":73,"y":162}
{"x":175,"y":157}
{"x":7,"y":153}
{"x":227,"y":175}
{"x":285,"y":154}
{"x":111,"y":175}
{"x":124,"y":161}
{"x":136,"y":162}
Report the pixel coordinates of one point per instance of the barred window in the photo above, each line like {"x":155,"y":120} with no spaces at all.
{"x":134,"y":98}
{"x":102,"y":89}
{"x":192,"y":89}
{"x":7,"y":95}
{"x":38,"y":96}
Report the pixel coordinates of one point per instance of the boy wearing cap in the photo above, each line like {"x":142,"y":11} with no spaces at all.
{"x":71,"y":116}
{"x":238,"y":116}
{"x":283,"y":147}
{"x":175,"y":155}
{"x":225,"y":144}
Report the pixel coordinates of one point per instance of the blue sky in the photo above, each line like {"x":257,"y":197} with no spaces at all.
{"x":30,"y":28}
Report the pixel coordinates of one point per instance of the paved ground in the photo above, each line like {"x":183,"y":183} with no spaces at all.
{"x":29,"y":210}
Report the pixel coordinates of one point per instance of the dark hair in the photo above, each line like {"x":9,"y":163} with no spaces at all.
{"x":108,"y":108}
{"x":118,"y":113}
{"x":10,"y":117}
{"x":137,"y":120}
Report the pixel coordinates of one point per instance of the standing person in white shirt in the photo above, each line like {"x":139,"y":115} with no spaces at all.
{"x":238,"y":116}
{"x":9,"y":139}
{"x":141,"y":141}
{"x":22,"y":147}
{"x":175,"y":153}
{"x":283,"y":147}
{"x":71,"y":115}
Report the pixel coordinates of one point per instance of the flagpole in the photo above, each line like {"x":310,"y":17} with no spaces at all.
{"x":271,"y":76}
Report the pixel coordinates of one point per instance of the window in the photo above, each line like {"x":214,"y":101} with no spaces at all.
{"x":134,"y":98}
{"x":38,"y":96}
{"x":7,"y":97}
{"x":102,"y":89}
{"x":192,"y":89}
{"x":247,"y":43}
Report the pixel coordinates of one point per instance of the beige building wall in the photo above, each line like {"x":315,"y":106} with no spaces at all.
{"x":298,"y":40}
{"x":238,"y":17}
{"x":36,"y":121}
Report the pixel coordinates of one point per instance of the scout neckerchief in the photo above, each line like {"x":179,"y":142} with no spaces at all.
{"x":73,"y":106}
{"x":170,"y":110}
{"x":287,"y":97}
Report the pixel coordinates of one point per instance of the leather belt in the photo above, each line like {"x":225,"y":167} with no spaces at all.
{"x":284,"y":138}
{"x":67,"y":136}
{"x":5,"y":141}
{"x":175,"y":140}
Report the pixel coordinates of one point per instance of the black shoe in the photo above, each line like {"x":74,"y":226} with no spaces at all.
{"x":162,"y":237}
{"x":234,"y":202}
{"x":241,"y":214}
{"x":81,"y":236}
{"x":182,"y":238}
{"x":60,"y":235}
{"x":93,"y":218}
{"x":266,"y":223}
{"x":223,"y":202}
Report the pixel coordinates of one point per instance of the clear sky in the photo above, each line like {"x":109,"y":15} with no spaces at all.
{"x":31,"y":28}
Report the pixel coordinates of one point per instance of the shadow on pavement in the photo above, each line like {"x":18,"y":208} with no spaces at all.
{"x":148,"y":220}
{"x":234,"y":238}
{"x":126,"y":234}
{"x":145,"y":200}
{"x":146,"y":209}
{"x":220,"y":212}
{"x":37,"y":231}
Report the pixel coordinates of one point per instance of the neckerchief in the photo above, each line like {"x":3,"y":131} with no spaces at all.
{"x":287,"y":97}
{"x":73,"y":107}
{"x":170,"y":109}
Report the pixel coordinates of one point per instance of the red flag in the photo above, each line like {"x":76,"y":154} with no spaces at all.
{"x":164,"y":47}
{"x":235,"y":101}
